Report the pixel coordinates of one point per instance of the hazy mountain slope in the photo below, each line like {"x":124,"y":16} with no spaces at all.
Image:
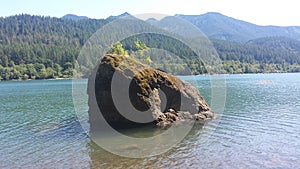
{"x":218,"y":26}
{"x":276,"y":50}
{"x":74,"y":17}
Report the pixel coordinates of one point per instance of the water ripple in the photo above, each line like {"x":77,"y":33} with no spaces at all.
{"x":260,"y":128}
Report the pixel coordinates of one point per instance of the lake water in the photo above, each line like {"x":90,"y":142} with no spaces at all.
{"x":260,"y":128}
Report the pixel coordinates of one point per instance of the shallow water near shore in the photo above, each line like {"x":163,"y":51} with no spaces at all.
{"x":260,"y":128}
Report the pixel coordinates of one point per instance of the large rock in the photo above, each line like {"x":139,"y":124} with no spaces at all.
{"x":129,"y":94}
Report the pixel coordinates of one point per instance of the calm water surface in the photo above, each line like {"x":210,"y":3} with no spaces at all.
{"x":260,"y":128}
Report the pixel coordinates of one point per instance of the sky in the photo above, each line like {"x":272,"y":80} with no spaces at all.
{"x":261,"y":12}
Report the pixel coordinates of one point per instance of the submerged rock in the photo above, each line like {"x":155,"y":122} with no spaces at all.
{"x":129,"y":93}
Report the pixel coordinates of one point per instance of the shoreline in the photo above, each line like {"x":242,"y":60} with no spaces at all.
{"x":175,"y":75}
{"x":18,"y":80}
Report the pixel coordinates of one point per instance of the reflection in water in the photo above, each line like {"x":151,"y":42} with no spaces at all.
{"x":70,"y":128}
{"x":101,"y":158}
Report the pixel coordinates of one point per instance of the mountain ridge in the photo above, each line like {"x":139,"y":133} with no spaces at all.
{"x":219,"y":26}
{"x":74,"y":17}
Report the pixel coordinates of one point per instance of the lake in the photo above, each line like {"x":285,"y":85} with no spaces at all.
{"x":259,"y":128}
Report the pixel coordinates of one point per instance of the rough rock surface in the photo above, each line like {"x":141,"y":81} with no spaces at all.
{"x":129,"y":93}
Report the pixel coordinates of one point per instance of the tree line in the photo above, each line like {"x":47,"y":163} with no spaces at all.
{"x":38,"y":47}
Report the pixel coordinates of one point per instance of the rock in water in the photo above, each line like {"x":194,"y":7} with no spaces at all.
{"x":129,"y":93}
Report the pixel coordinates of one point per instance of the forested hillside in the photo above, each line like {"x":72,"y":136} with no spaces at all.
{"x":263,"y":55}
{"x":38,"y":47}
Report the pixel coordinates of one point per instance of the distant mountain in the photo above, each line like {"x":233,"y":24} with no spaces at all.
{"x":152,"y":21}
{"x":218,"y":26}
{"x":74,"y":17}
{"x":118,"y":16}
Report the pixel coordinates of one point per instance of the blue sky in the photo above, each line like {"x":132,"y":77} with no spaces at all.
{"x":262,"y":12}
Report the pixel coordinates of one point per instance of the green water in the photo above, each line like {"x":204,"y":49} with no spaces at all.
{"x":260,"y":128}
